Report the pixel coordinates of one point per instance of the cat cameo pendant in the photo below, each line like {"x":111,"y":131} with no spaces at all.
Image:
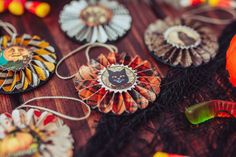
{"x":117,"y":78}
{"x":118,"y":83}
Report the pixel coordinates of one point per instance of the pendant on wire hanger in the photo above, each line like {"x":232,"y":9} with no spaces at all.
{"x":185,"y":42}
{"x":26,"y":61}
{"x":118,"y":83}
{"x":115,"y":82}
{"x":36,"y":133}
{"x":95,"y":21}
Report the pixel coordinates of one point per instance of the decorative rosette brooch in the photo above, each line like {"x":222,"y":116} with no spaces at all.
{"x":181,"y":42}
{"x":34,"y":133}
{"x":25,"y":63}
{"x":95,"y":21}
{"x":118,"y":83}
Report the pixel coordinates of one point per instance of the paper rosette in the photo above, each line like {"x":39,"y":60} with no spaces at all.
{"x":34,"y":133}
{"x":25,"y":63}
{"x":181,"y":42}
{"x":95,"y":21}
{"x":118,"y":83}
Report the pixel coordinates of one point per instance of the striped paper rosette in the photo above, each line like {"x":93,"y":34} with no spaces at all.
{"x":25,"y":63}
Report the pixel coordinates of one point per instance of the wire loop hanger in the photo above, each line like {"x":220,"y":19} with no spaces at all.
{"x":9,"y":28}
{"x":194,"y":14}
{"x":88,"y":47}
{"x":24,"y":105}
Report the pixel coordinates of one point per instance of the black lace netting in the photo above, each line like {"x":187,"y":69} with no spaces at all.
{"x":163,"y":125}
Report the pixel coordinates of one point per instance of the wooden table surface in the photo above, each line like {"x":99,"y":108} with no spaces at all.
{"x":143,"y":13}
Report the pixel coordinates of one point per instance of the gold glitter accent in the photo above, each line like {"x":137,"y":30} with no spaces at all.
{"x":95,"y":15}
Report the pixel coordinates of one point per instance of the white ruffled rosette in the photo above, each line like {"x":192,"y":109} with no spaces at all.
{"x":92,"y":21}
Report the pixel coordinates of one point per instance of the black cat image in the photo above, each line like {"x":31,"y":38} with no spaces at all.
{"x":119,"y":79}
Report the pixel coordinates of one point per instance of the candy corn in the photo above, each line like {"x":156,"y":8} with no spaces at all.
{"x":40,"y":9}
{"x":212,"y":3}
{"x":16,"y":7}
{"x":162,"y":154}
{"x":4,"y":5}
{"x":186,"y":3}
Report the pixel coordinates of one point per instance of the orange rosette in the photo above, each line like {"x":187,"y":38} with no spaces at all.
{"x":118,"y":83}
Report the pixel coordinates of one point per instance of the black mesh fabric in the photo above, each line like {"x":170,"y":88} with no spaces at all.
{"x":164,"y":122}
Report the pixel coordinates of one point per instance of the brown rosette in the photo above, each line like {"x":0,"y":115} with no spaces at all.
{"x":181,"y":42}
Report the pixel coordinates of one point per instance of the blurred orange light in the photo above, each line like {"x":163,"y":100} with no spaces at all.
{"x":231,"y":61}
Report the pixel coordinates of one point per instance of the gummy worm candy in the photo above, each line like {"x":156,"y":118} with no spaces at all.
{"x":205,"y":111}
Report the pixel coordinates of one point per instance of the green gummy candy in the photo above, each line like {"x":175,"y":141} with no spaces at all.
{"x":199,"y":113}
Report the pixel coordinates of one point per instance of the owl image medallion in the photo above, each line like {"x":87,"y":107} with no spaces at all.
{"x":182,"y":37}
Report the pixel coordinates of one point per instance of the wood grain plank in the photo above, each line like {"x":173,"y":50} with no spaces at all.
{"x":55,"y":86}
{"x":65,"y":45}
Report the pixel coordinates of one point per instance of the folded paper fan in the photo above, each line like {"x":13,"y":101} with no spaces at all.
{"x":118,"y":83}
{"x":25,"y":63}
{"x":181,"y":42}
{"x":34,"y":133}
{"x":92,"y":21}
